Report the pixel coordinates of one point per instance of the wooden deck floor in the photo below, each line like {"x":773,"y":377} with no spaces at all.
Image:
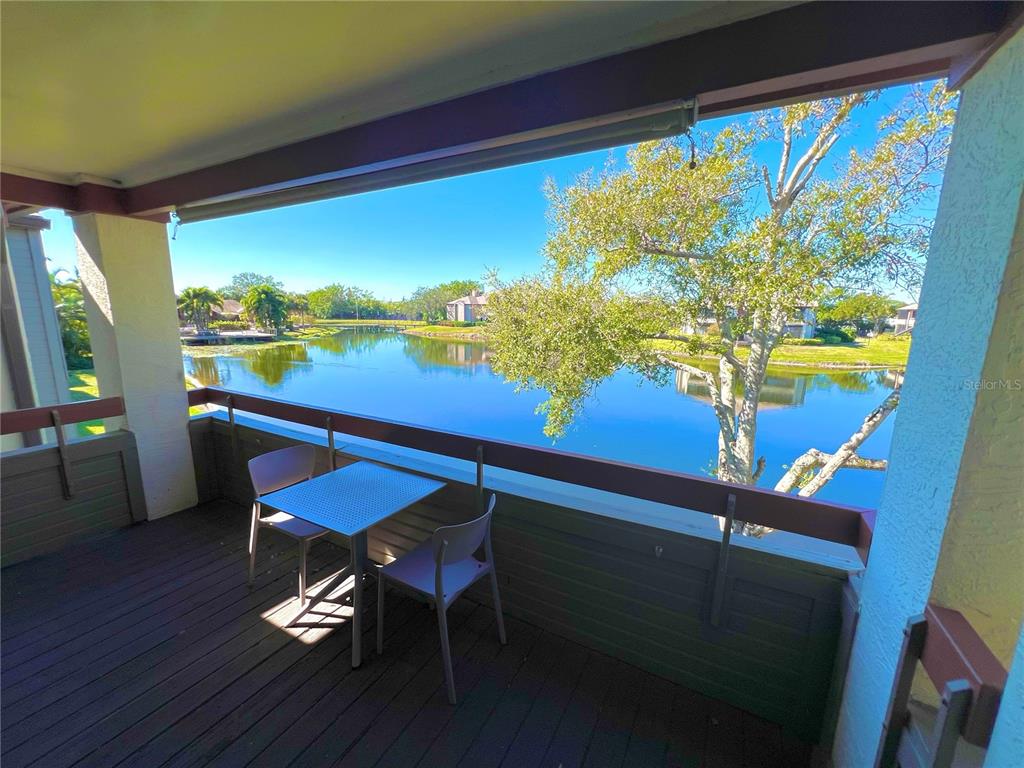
{"x":146,"y":648}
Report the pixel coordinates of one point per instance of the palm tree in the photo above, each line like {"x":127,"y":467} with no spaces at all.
{"x":195,"y":305}
{"x":265,"y":306}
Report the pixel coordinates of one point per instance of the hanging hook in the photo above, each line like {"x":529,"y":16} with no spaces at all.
{"x":693,"y":149}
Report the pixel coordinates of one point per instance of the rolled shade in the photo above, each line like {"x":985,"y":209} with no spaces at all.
{"x":525,"y":148}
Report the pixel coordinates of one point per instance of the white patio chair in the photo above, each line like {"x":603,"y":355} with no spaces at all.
{"x":442,"y":568}
{"x":272,"y":472}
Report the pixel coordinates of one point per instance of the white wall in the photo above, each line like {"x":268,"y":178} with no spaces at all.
{"x":125,"y":266}
{"x":39,"y":319}
{"x":974,"y":228}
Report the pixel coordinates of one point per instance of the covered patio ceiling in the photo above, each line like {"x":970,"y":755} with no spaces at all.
{"x":138,"y":108}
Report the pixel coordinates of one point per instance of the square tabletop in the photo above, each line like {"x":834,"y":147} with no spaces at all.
{"x":351,"y":499}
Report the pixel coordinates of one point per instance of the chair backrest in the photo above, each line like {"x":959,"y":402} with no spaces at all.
{"x":279,"y":469}
{"x":454,"y":543}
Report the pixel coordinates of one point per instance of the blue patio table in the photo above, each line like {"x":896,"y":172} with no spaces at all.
{"x":350,"y":501}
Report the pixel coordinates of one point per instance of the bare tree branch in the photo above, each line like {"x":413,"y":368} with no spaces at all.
{"x":818,"y":145}
{"x":787,"y":147}
{"x":656,"y":250}
{"x":846,"y":456}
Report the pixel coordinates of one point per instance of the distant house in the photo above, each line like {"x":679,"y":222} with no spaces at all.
{"x":229,"y":309}
{"x":906,"y":317}
{"x":802,"y":325}
{"x":468,"y":308}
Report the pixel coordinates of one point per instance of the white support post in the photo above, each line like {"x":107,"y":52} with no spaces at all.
{"x":972,"y":246}
{"x":125,"y":267}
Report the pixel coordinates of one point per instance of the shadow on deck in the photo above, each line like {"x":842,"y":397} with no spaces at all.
{"x":147,"y":648}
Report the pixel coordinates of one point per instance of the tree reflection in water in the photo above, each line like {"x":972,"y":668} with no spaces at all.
{"x":782,"y":389}
{"x":274,"y":364}
{"x":429,"y":353}
{"x":206,"y":371}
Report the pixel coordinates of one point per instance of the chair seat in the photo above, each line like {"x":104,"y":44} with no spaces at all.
{"x":293,"y":526}
{"x":416,"y":570}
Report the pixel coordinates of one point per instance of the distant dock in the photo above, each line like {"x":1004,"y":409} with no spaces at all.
{"x":226,"y":337}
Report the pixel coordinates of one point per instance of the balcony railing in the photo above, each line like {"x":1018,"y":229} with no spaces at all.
{"x":828,"y":521}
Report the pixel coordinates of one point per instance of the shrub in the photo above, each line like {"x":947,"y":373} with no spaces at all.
{"x":459,"y":323}
{"x":835,"y":336}
{"x":228,"y":325}
{"x":815,"y":342}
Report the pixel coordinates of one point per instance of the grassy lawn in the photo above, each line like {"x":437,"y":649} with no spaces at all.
{"x":884,"y":351}
{"x":466,"y":333}
{"x":82,"y":384}
{"x":389,"y":323}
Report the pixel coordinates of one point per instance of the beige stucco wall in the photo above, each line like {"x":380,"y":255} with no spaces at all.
{"x":981,"y":565}
{"x":125,"y":266}
{"x":974,"y":235}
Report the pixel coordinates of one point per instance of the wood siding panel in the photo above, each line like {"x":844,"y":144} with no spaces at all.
{"x":36,"y":518}
{"x":638,"y":593}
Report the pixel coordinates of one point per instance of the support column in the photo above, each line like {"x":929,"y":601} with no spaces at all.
{"x":125,"y":266}
{"x":971,"y":244}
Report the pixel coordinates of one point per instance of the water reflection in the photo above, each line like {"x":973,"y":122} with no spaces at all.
{"x":274,"y":364}
{"x":428,"y":354}
{"x":776,"y":392}
{"x":449,"y":385}
{"x":206,"y":371}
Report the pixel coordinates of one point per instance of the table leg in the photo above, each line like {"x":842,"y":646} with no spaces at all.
{"x":358,"y":567}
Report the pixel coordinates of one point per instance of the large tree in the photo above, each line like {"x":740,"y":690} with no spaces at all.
{"x":863,"y":311}
{"x":74,"y":328}
{"x":430,"y":302}
{"x":338,"y":300}
{"x":243,"y":281}
{"x":663,"y":244}
{"x":266,"y":307}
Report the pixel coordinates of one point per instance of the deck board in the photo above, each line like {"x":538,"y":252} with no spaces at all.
{"x":147,"y":647}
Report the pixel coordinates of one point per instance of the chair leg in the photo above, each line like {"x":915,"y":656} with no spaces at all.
{"x":303,"y":550}
{"x":380,"y":613}
{"x":446,"y":653}
{"x":497,"y":607}
{"x":253,"y":534}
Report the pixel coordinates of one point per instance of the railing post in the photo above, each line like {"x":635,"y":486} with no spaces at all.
{"x":65,"y":458}
{"x":231,"y":423}
{"x":479,"y":479}
{"x":330,"y":442}
{"x":718,"y":591}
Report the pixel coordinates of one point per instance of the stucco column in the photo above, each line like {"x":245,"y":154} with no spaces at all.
{"x":971,"y":244}
{"x":125,"y":267}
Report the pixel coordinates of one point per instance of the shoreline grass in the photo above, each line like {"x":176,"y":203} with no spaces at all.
{"x":884,"y":351}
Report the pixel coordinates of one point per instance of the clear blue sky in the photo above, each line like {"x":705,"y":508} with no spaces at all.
{"x":394,"y":240}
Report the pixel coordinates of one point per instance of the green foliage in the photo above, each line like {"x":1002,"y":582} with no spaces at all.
{"x":195,"y":305}
{"x":430,"y":302}
{"x":642,"y":250}
{"x":346,"y":301}
{"x":228,"y":325}
{"x":565,"y":335}
{"x":265,"y":306}
{"x":863,"y":311}
{"x":74,"y":329}
{"x":815,"y":342}
{"x":243,"y":281}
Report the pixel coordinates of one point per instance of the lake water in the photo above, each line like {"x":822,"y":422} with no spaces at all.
{"x":450,"y":385}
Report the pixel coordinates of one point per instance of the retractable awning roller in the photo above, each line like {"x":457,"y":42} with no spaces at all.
{"x":454,"y":161}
